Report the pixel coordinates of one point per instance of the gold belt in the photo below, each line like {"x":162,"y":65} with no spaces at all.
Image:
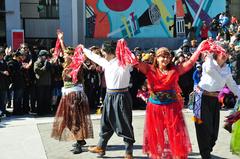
{"x":117,"y":90}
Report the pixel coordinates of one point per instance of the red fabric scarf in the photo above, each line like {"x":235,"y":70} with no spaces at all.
{"x":124,"y":55}
{"x":212,"y":47}
{"x":77,"y":60}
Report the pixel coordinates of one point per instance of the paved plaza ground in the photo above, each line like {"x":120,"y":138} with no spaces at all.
{"x":28,"y":137}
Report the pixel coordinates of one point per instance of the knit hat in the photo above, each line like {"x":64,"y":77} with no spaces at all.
{"x":43,"y":53}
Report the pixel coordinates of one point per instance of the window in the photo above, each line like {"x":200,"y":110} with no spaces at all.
{"x":48,"y":8}
{"x":45,"y":9}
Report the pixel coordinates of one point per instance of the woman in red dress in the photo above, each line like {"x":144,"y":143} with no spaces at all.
{"x":165,"y":133}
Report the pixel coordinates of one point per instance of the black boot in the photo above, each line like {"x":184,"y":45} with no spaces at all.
{"x":80,"y":142}
{"x":77,"y":149}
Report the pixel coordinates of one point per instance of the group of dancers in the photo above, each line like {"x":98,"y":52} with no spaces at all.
{"x":165,"y":131}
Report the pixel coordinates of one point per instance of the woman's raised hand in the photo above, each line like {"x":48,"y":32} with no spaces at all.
{"x":81,"y":46}
{"x":60,"y":34}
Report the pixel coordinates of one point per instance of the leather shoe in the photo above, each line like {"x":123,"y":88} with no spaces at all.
{"x":97,"y":149}
{"x":128,"y":156}
{"x":228,"y":127}
{"x":77,"y":149}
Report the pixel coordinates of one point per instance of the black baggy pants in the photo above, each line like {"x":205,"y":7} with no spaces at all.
{"x":207,"y":131}
{"x":117,"y":117}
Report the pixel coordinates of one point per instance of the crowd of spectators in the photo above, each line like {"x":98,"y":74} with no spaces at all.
{"x":31,"y":81}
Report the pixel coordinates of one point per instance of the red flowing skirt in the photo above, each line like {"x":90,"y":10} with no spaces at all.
{"x":165,"y":133}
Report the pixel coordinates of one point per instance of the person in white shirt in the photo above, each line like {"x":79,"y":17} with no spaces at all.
{"x":215,"y":75}
{"x":117,"y":109}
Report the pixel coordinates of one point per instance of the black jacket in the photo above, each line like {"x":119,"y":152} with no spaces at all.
{"x":4,"y":79}
{"x":16,"y":74}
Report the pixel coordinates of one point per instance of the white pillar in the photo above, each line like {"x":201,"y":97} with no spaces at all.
{"x":65,"y":18}
{"x":82,"y":21}
{"x":75,"y":23}
{"x":72,"y":21}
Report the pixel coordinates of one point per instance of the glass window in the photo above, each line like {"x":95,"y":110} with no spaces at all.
{"x":48,"y":8}
{"x":40,"y":9}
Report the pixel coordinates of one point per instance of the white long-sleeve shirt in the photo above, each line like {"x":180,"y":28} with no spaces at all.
{"x":116,"y":76}
{"x":214,"y":77}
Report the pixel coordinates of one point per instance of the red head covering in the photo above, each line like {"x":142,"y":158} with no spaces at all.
{"x":212,"y":47}
{"x":77,"y":60}
{"x":124,"y":55}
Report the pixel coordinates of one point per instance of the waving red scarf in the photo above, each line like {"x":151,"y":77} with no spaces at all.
{"x":212,"y":47}
{"x":77,"y":60}
{"x":124,"y":55}
{"x":217,"y":48}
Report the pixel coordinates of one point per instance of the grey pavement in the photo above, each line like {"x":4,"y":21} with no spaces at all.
{"x":27,"y":137}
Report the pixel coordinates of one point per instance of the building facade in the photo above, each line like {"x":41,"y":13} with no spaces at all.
{"x":92,"y":21}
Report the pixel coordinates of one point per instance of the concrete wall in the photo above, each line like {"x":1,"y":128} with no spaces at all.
{"x":12,"y":18}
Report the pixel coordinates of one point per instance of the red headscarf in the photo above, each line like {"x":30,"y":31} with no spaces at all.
{"x":124,"y":55}
{"x":211,"y":46}
{"x":77,"y":60}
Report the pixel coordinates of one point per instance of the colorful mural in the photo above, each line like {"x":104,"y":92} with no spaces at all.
{"x":147,"y":18}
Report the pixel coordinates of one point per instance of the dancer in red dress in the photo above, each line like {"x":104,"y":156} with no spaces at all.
{"x":165,"y":133}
